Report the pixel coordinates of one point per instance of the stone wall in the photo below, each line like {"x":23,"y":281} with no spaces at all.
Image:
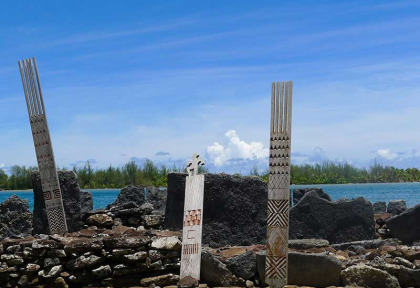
{"x":119,"y":257}
{"x":128,"y":257}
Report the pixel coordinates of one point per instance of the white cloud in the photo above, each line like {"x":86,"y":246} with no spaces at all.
{"x":235,"y":148}
{"x":2,"y":165}
{"x":387,"y":154}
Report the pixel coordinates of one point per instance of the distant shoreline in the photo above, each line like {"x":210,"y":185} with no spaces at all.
{"x":30,"y":190}
{"x":291,"y":185}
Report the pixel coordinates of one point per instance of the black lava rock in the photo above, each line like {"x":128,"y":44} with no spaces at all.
{"x":379,"y":207}
{"x":234,"y":210}
{"x":396,"y":207}
{"x":130,"y":193}
{"x":86,"y":201}
{"x":339,"y":221}
{"x":406,"y":225}
{"x":15,"y":218}
{"x":243,"y":265}
{"x":157,"y":197}
{"x":298,"y":193}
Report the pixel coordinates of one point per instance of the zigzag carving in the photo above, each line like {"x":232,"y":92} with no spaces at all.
{"x":279,"y":185}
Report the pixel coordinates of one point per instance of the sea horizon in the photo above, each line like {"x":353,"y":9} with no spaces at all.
{"x":373,"y":192}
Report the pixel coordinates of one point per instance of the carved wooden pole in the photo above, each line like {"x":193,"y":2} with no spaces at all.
{"x":43,"y":147}
{"x":193,"y":223}
{"x":279,"y":184}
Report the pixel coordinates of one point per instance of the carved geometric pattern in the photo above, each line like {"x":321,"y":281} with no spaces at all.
{"x":277,"y":213}
{"x":277,"y":241}
{"x":56,"y":219}
{"x":47,"y":195}
{"x":57,"y":193}
{"x":192,"y":217}
{"x":43,"y":147}
{"x":279,"y":184}
{"x":193,"y":221}
{"x":276,"y":267}
{"x":190,"y":248}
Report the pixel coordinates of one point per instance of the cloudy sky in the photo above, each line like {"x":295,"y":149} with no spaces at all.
{"x":129,"y":80}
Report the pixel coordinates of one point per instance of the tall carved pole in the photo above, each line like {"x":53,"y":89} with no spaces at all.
{"x":279,"y":184}
{"x":193,"y":223}
{"x":43,"y":147}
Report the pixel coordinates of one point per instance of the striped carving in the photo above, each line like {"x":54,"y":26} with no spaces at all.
{"x":276,"y":267}
{"x":279,"y":184}
{"x":277,"y":213}
{"x":190,"y":248}
{"x":43,"y":147}
{"x":56,"y":219}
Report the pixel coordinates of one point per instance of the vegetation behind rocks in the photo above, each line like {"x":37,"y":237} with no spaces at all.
{"x":151,"y":174}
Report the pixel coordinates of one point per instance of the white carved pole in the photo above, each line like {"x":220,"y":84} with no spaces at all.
{"x":193,"y":223}
{"x":43,"y":147}
{"x":279,"y":184}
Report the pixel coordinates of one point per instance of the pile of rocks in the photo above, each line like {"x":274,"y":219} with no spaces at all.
{"x":135,"y":206}
{"x":128,"y":214}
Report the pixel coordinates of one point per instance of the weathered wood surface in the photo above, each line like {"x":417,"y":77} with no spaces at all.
{"x":193,"y":220}
{"x":43,"y":147}
{"x":279,"y":184}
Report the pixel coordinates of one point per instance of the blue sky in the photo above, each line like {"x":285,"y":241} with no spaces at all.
{"x":129,"y":80}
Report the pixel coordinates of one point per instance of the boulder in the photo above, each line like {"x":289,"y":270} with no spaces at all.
{"x":86,"y":201}
{"x":234,"y":210}
{"x":298,"y":193}
{"x":15,"y":218}
{"x":406,"y":225}
{"x":396,"y":207}
{"x":379,"y":207}
{"x":214,"y":273}
{"x":70,"y":192}
{"x":130,"y":193}
{"x":339,"y":221}
{"x":409,"y":277}
{"x":308,"y":243}
{"x":243,"y":265}
{"x":366,"y":276}
{"x":166,"y":243}
{"x":157,"y":196}
{"x":100,"y":220}
{"x":307,"y":269}
{"x":161,"y":280}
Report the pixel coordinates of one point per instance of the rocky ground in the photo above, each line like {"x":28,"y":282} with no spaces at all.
{"x":125,"y":245}
{"x":128,"y":257}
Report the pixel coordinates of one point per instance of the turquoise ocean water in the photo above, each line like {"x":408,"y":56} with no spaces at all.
{"x":410,"y":192}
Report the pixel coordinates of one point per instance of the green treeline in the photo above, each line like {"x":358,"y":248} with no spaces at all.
{"x":332,"y":173}
{"x":115,"y":177}
{"x":151,"y":174}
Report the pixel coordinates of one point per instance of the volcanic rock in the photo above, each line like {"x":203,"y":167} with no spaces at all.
{"x":339,"y":221}
{"x":234,"y":208}
{"x":298,"y":193}
{"x":15,"y":218}
{"x":406,"y":225}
